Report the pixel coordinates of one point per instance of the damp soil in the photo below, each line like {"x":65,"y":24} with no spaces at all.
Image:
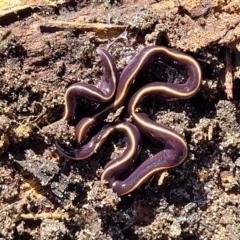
{"x":46,"y":47}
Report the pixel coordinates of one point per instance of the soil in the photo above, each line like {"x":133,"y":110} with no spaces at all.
{"x":48,"y":45}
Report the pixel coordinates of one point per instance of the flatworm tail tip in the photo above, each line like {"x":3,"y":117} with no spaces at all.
{"x":64,"y":151}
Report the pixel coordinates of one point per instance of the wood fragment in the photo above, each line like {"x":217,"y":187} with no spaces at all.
{"x":228,"y":74}
{"x":14,"y":10}
{"x":162,"y":177}
{"x":30,"y":216}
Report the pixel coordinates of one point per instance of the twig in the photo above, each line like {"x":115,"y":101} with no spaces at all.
{"x":84,"y":26}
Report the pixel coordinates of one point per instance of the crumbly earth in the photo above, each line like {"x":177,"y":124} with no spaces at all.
{"x":46,"y":46}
